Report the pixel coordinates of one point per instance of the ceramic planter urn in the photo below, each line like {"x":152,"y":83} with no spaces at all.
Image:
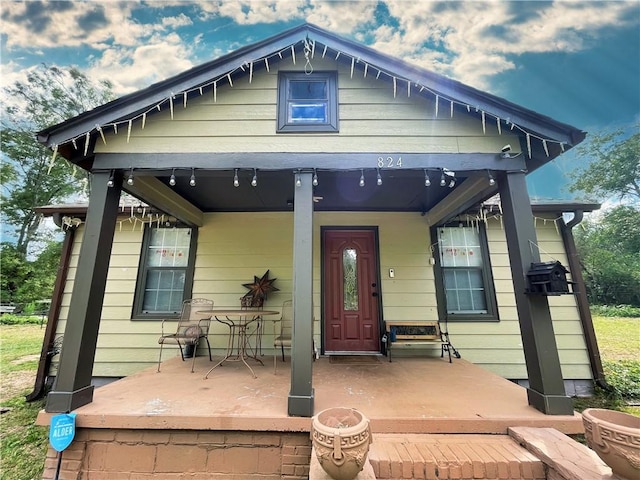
{"x":341,"y":438}
{"x":615,"y":437}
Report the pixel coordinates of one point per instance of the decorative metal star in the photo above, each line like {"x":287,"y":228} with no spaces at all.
{"x":260,"y":286}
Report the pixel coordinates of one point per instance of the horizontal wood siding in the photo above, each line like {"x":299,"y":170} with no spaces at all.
{"x":371,"y":119}
{"x":235,"y":247}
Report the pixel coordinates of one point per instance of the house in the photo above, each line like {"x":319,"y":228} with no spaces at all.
{"x":362,"y":183}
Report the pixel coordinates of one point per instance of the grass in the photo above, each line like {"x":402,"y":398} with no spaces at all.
{"x":23,"y":445}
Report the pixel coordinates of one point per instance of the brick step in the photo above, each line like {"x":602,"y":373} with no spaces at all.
{"x":408,"y":456}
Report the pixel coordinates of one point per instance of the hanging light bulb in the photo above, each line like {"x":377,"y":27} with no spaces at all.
{"x":110,"y":182}
{"x":298,"y":180}
{"x":172,"y":178}
{"x":254,"y":180}
{"x":362,"y":177}
{"x":314,"y":182}
{"x":492,"y":180}
{"x":443,"y":181}
{"x":379,"y":179}
{"x":192,"y":180}
{"x":130,"y":178}
{"x":427,"y":181}
{"x":236,"y":182}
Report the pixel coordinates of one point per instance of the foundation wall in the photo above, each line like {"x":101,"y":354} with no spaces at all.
{"x":108,"y":454}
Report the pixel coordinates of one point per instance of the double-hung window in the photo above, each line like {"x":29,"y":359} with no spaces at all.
{"x":165,"y":274}
{"x":307,"y":103}
{"x":463,"y":280}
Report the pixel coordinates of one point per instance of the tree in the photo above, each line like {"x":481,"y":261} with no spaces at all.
{"x":609,"y":243}
{"x":49,"y":95}
{"x":614,"y":166}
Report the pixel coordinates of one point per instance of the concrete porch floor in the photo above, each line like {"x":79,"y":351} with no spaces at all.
{"x":409,"y":395}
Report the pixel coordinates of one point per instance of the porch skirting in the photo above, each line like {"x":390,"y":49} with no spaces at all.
{"x":172,"y":454}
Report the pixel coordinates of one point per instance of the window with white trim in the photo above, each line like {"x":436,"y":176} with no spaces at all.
{"x":165,"y":273}
{"x":307,"y":103}
{"x":464,"y":278}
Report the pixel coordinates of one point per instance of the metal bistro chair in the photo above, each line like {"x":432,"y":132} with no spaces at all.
{"x":286,"y":330}
{"x":190,"y":329}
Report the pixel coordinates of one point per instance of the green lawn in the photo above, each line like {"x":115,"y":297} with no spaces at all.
{"x":24,"y":445}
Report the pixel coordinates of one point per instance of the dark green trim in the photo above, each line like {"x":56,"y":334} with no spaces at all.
{"x":301,"y":393}
{"x":73,"y":382}
{"x":546,"y":385}
{"x":492,"y":314}
{"x":161,"y":164}
{"x":137,"y":313}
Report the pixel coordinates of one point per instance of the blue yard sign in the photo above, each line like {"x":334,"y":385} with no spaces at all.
{"x":62,"y":430}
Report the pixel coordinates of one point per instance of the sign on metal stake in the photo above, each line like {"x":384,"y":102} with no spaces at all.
{"x":62,"y":430}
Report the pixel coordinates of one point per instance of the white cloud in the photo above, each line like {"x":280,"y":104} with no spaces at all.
{"x":341,"y":17}
{"x":174,"y":22}
{"x":248,"y":12}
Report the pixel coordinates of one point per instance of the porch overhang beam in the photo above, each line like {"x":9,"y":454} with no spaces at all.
{"x":152,"y":191}
{"x":472,"y":191}
{"x":160,"y":163}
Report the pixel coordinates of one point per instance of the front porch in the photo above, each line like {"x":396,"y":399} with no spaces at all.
{"x":175,"y":424}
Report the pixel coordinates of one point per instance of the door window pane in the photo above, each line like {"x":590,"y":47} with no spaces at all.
{"x":350,"y":278}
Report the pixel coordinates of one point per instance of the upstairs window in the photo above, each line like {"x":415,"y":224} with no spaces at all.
{"x":307,"y":103}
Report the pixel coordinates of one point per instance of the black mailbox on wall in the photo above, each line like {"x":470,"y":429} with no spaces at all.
{"x":549,"y":278}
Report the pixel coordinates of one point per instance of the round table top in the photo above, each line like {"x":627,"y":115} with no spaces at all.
{"x":237,"y":312}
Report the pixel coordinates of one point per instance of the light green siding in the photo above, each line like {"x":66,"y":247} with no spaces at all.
{"x":235,"y":247}
{"x":242,"y":118}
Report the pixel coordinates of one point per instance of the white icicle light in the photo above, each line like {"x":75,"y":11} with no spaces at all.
{"x":437,"y":105}
{"x":293,"y":54}
{"x":353,"y":64}
{"x":250,"y":72}
{"x":144,"y":120}
{"x":366,"y":67}
{"x":230,"y":81}
{"x":498,"y":125}
{"x":324,"y":51}
{"x":408,"y":88}
{"x":451,"y":108}
{"x":86,"y":143}
{"x":395,"y":86}
{"x":171,"y":105}
{"x":129,"y":130}
{"x":184,"y":100}
{"x":53,"y":158}
{"x":266,"y":64}
{"x":484,"y":123}
{"x":104,"y":140}
{"x":529,"y":144}
{"x":546,"y":148}
{"x":215,"y":92}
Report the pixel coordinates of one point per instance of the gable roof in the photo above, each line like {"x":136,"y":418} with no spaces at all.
{"x":540,"y":132}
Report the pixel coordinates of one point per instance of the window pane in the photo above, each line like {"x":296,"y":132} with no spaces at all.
{"x":306,"y":90}
{"x":460,"y":247}
{"x":464,"y":290}
{"x":350,"y":280}
{"x":169,"y":247}
{"x":307,"y":113}
{"x":164,"y":290}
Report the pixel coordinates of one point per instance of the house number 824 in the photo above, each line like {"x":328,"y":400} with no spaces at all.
{"x":389,"y":162}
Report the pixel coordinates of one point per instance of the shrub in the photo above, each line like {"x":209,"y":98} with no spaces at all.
{"x":624,"y":377}
{"x":616,"y":311}
{"x":15,"y":319}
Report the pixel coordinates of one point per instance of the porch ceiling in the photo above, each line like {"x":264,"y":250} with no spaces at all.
{"x":401,"y":190}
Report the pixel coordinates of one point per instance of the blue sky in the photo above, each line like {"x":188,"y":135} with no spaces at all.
{"x":575,"y":61}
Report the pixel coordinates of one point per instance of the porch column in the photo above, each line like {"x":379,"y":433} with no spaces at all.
{"x":546,"y":386}
{"x":73,"y":387}
{"x":301,"y":393}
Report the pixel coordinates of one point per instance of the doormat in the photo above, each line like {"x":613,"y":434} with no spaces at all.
{"x":354,"y":359}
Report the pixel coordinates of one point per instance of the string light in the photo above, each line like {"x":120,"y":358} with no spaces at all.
{"x":192,"y":180}
{"x":254,"y":180}
{"x":110,"y":182}
{"x":379,"y":179}
{"x":315,"y":178}
{"x":362,"y":177}
{"x":298,"y":179}
{"x":492,"y":180}
{"x":236,"y":182}
{"x":443,"y":181}
{"x":172,"y":178}
{"x":130,"y":179}
{"x":427,"y":181}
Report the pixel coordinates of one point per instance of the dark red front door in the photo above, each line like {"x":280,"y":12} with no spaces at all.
{"x":350,"y":291}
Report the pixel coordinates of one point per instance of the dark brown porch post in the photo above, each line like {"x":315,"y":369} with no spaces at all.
{"x":546,"y":386}
{"x":73,"y":387}
{"x":301,"y":393}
